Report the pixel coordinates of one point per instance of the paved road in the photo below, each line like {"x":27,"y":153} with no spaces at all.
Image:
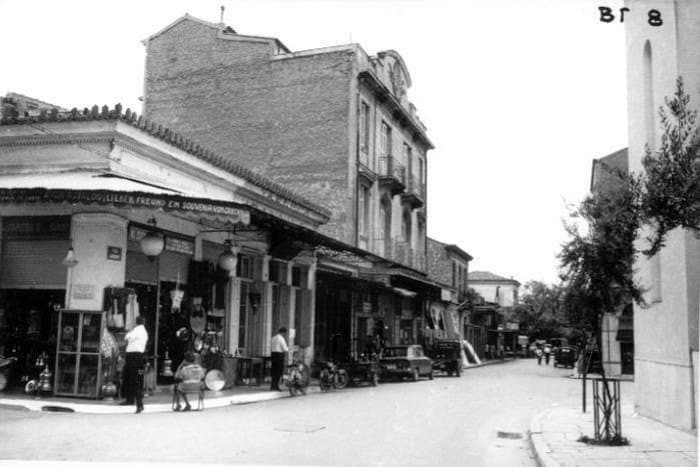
{"x":447,"y":421}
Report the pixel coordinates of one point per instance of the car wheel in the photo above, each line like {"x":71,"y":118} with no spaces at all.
{"x":342,"y":379}
{"x":458,"y":373}
{"x":430,"y":374}
{"x":415,"y":375}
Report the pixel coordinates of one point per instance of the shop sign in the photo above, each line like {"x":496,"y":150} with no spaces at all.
{"x":366,"y":307}
{"x":134,"y":199}
{"x":36,"y":227}
{"x":513,"y":326}
{"x":179,"y":245}
{"x":114,"y":253}
{"x":83,"y":291}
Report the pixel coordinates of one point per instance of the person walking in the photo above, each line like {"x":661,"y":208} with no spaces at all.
{"x":538,"y":354}
{"x":547,"y":353}
{"x":278,"y":350}
{"x":132,"y":381}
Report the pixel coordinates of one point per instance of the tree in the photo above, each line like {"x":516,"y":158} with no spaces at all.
{"x":671,"y":196}
{"x":540,"y":311}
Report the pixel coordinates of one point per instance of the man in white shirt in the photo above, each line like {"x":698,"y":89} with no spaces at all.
{"x":278,"y":350}
{"x":132,"y":382}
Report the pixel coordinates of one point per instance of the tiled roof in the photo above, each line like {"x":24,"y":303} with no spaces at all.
{"x":488,"y":276}
{"x":169,"y":136}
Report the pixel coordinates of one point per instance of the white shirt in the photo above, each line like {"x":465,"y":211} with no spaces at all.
{"x":279,"y":344}
{"x":137,"y":339}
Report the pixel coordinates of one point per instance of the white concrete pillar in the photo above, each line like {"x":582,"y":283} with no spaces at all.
{"x":311,"y":285}
{"x":233,"y":312}
{"x":99,"y":242}
{"x":266,"y":305}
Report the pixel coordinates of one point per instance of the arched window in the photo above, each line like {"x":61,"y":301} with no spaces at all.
{"x":384,"y":230}
{"x":648,"y":75}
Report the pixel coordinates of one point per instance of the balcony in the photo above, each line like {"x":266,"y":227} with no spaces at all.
{"x":392,"y":175}
{"x":400,"y":252}
{"x":415,"y":193}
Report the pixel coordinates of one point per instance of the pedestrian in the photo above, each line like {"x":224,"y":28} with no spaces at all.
{"x":278,"y":349}
{"x":547,"y":353}
{"x":132,"y":382}
{"x":538,"y":354}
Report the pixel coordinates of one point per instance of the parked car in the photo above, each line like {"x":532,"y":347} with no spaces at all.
{"x":447,"y":357}
{"x":566,"y":356}
{"x":405,"y":361}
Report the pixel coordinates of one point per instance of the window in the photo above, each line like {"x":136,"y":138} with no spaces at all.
{"x":407,"y":158}
{"x":363,"y":127}
{"x":385,"y":142}
{"x":363,"y":210}
{"x":421,"y":171}
{"x":406,"y":227}
{"x":454,"y":274}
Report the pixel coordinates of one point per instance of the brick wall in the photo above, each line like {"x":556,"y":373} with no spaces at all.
{"x":439,"y":263}
{"x":286,"y":119}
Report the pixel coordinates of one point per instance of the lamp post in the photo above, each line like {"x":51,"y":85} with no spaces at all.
{"x":152,"y":245}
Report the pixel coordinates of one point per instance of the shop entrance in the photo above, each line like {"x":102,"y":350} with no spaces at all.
{"x":28,"y":327}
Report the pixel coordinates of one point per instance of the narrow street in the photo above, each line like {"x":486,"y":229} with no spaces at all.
{"x":447,"y":421}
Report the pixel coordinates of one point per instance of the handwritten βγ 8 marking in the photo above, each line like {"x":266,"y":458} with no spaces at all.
{"x":608,"y":16}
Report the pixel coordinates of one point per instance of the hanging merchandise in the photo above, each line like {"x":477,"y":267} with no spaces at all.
{"x":176,"y":296}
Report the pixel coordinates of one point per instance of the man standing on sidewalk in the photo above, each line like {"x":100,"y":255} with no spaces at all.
{"x":278,"y":350}
{"x":133,"y":381}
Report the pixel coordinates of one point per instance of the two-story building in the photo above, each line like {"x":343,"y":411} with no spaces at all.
{"x":333,"y":124}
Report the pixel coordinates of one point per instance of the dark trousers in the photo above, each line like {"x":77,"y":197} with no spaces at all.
{"x":132,"y":383}
{"x":277,"y":361}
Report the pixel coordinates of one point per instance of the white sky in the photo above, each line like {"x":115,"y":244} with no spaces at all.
{"x":518,"y":96}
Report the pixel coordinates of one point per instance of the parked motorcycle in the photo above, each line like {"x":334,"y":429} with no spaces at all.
{"x":5,"y":364}
{"x":296,"y":378}
{"x":332,"y":377}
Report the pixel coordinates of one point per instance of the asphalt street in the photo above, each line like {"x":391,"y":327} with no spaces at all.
{"x":480,"y":419}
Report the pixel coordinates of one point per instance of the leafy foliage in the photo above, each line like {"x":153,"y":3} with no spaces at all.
{"x":540,"y":312}
{"x":597,"y":265}
{"x":672,"y":190}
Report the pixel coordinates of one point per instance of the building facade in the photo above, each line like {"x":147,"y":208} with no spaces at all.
{"x":666,"y":331}
{"x":81,"y":190}
{"x":448,"y":265}
{"x":333,"y":124}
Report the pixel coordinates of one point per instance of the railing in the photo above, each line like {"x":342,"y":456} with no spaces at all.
{"x":416,"y":187}
{"x":400,"y":252}
{"x":389,"y":167}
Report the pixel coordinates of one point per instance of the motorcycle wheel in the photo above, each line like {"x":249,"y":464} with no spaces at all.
{"x":31,"y":386}
{"x":458,"y":373}
{"x":323,"y":380}
{"x":3,"y":380}
{"x":342,"y":379}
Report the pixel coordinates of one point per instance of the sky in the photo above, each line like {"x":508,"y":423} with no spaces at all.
{"x":518,"y":96}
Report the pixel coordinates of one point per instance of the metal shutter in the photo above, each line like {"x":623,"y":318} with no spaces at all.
{"x":33,"y":264}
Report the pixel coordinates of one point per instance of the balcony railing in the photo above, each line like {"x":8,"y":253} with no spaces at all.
{"x":392,"y":173}
{"x":401,"y":252}
{"x":415,"y":192}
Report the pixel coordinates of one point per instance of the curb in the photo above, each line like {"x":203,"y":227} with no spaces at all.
{"x":212,"y":403}
{"x":538,"y":445}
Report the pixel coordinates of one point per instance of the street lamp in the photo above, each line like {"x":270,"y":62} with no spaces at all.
{"x":228,"y":260}
{"x":152,"y":245}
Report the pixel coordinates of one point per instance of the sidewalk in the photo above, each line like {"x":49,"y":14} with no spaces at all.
{"x":160,"y":401}
{"x":554,"y":434}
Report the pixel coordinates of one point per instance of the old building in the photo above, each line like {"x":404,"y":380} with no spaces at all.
{"x":101,"y":210}
{"x":333,"y":124}
{"x":617,"y":336}
{"x":665,"y":331}
{"x":448,"y":265}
